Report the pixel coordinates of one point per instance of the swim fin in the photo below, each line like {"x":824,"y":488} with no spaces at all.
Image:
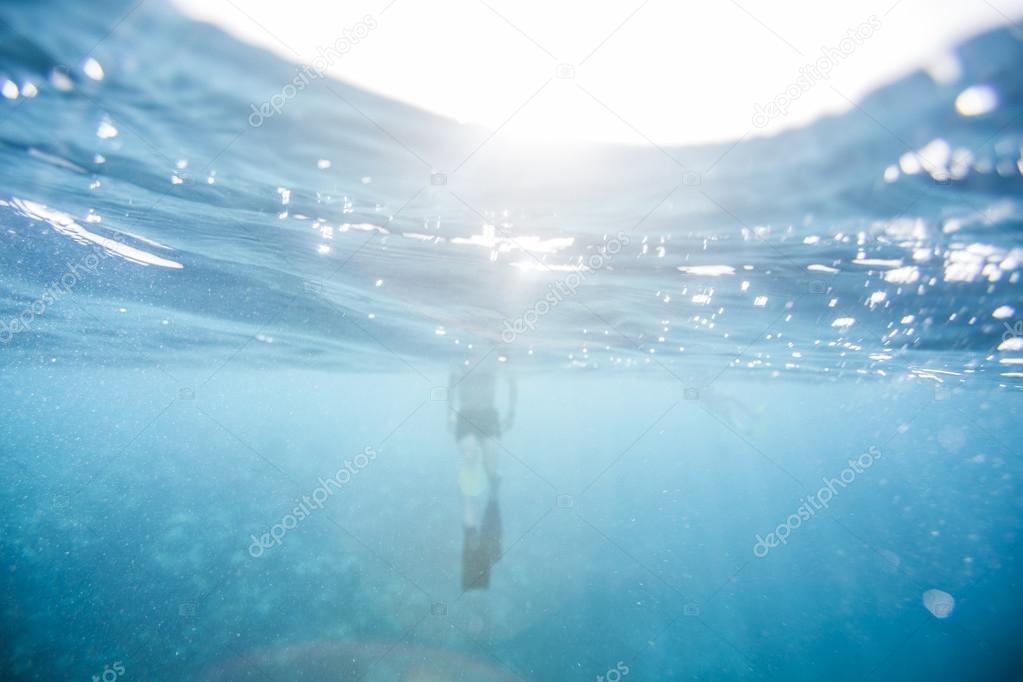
{"x":490,"y":531}
{"x":475,"y":562}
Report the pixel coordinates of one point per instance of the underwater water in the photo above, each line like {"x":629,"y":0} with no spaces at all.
{"x":768,"y":404}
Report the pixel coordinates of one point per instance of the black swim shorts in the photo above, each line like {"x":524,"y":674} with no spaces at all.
{"x":479,"y":423}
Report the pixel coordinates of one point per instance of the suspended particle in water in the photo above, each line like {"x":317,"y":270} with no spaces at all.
{"x":939,"y":603}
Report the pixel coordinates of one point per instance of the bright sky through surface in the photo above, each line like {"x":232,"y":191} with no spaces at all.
{"x":623,"y":71}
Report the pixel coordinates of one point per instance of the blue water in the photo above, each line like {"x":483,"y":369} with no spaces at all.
{"x":201,"y":319}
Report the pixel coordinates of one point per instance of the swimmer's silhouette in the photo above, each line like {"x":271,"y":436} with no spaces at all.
{"x":477,"y":427}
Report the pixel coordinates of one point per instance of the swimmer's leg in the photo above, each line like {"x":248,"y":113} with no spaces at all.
{"x":490,"y":448}
{"x":490,"y":530}
{"x":469,"y":455}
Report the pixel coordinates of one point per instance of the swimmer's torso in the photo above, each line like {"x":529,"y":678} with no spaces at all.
{"x":476,"y":385}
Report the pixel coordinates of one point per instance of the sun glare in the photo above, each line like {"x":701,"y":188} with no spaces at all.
{"x":630,"y":73}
